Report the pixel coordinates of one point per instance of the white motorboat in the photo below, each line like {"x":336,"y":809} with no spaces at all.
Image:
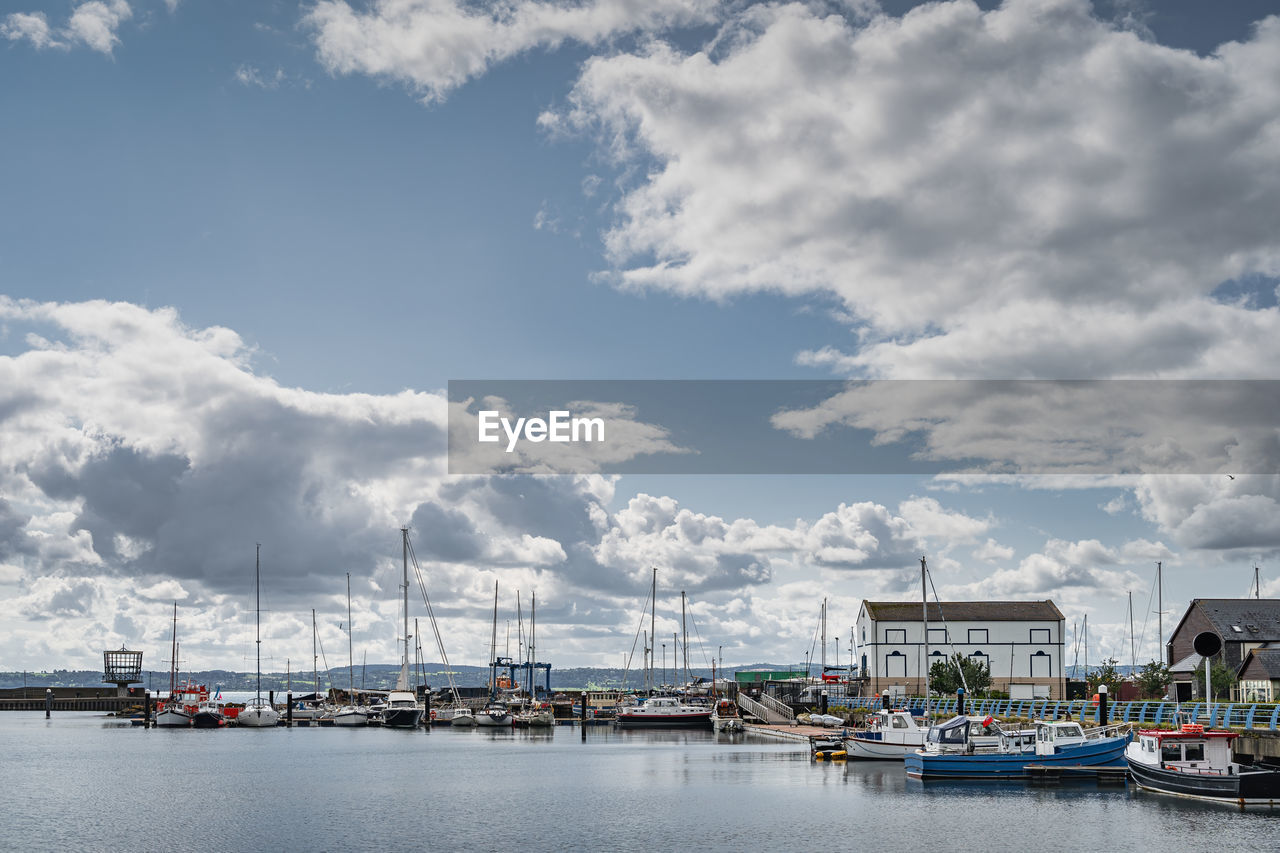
{"x":889,"y":735}
{"x":462,"y":717}
{"x":402,"y":711}
{"x":725,"y":717}
{"x":664,"y":712}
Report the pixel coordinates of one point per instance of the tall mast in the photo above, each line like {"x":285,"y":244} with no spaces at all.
{"x":173,"y":661}
{"x":533,"y":633}
{"x":257,"y":607}
{"x":1257,"y":583}
{"x":403,"y":683}
{"x":493,"y":647}
{"x":684,"y":631}
{"x":1160,"y":611}
{"x":824,"y":638}
{"x":1133,"y":649}
{"x":351,"y":660}
{"x":924,"y":598}
{"x":653,"y":608}
{"x":315,"y":665}
{"x":1086,"y":648}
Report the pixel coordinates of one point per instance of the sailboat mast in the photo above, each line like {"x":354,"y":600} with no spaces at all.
{"x":924,"y":598}
{"x":315,"y":665}
{"x":653,"y":609}
{"x":351,"y":661}
{"x":1133,"y":649}
{"x":173,"y":661}
{"x":823,"y":657}
{"x":1160,"y":611}
{"x":404,"y":663}
{"x":493,"y":647}
{"x":684,"y":638}
{"x":257,"y":608}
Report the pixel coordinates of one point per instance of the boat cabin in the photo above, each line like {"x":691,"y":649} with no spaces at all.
{"x":1052,"y":735}
{"x":1190,"y":750}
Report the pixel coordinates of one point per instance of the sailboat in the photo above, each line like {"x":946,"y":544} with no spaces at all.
{"x":258,"y":713}
{"x":403,"y":710}
{"x":350,"y":714}
{"x":495,"y":712}
{"x":536,"y":714}
{"x":184,"y":699}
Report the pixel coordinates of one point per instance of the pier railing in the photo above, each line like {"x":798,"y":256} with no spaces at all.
{"x":1235,"y":715}
{"x":765,"y":712}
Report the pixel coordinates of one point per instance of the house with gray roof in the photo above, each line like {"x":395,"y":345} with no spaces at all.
{"x":1021,"y":642}
{"x":1243,"y":624}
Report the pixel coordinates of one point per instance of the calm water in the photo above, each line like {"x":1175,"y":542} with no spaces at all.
{"x":83,"y":781}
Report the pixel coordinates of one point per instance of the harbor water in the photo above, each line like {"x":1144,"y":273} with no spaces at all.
{"x":83,"y":781}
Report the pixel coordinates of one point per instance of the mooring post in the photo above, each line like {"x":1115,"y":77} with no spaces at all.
{"x":288,"y":712}
{"x":824,"y":702}
{"x":426,"y":709}
{"x":584,"y":715}
{"x":48,"y":702}
{"x":959,"y":701}
{"x":1102,"y":704}
{"x":146,"y":709}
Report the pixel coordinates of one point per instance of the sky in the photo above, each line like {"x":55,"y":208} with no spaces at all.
{"x":245,"y":246}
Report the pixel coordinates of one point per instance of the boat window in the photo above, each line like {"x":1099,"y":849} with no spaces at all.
{"x":899,"y":723}
{"x":1171,"y":752}
{"x":1042,"y":733}
{"x":1194,"y":752}
{"x":1072,"y":731}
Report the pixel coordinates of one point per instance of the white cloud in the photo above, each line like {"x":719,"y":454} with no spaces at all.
{"x":251,"y":75}
{"x":434,"y":46}
{"x":992,"y":551}
{"x":32,"y":26}
{"x":1026,"y":191}
{"x":92,"y":24}
{"x":95,"y":23}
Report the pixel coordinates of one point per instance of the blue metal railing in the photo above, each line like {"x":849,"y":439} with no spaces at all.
{"x":1249,"y":716}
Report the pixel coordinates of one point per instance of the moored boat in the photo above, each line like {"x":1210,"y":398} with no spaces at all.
{"x":725,"y":717}
{"x":209,"y":715}
{"x":402,"y":711}
{"x":494,"y":714}
{"x":1192,"y":762}
{"x":664,"y":712}
{"x":950,"y":754}
{"x":258,"y":713}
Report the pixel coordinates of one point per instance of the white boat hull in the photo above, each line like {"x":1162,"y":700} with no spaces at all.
{"x":351,"y":717}
{"x":873,"y":749}
{"x":258,"y":717}
{"x":493,"y":720}
{"x":171,"y":719}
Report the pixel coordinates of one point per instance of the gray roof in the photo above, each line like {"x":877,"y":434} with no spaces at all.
{"x":965,"y":611}
{"x":1262,"y":664}
{"x":1258,"y":620}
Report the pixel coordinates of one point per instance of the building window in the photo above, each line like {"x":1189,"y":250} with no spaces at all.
{"x":937,"y":636}
{"x":1040,"y":635}
{"x":895,"y":665}
{"x":981,"y":659}
{"x":1041,"y":665}
{"x":977,"y":635}
{"x":895,"y":635}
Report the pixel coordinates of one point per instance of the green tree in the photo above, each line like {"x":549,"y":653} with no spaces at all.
{"x":1153,"y":680}
{"x":944,"y":675}
{"x":1221,"y":676}
{"x":1106,"y":674}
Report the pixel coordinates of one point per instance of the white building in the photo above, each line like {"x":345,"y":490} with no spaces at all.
{"x":1021,"y":641}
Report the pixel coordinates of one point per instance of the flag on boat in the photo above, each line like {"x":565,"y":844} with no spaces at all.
{"x":218,"y":698}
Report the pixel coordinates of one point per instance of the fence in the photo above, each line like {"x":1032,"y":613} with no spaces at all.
{"x":1247,"y":716}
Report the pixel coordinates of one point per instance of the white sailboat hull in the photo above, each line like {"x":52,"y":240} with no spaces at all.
{"x":351,"y":717}
{"x":258,"y":716}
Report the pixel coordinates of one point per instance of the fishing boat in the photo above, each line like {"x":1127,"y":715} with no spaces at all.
{"x":950,"y":753}
{"x":462,"y":717}
{"x":889,"y":735}
{"x":209,"y":715}
{"x":725,"y":717}
{"x":1191,"y":762}
{"x":350,"y":714}
{"x":403,"y":710}
{"x":183,"y":703}
{"x":258,"y":713}
{"x":664,"y":712}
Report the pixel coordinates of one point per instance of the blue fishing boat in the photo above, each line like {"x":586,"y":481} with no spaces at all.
{"x":950,"y":753}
